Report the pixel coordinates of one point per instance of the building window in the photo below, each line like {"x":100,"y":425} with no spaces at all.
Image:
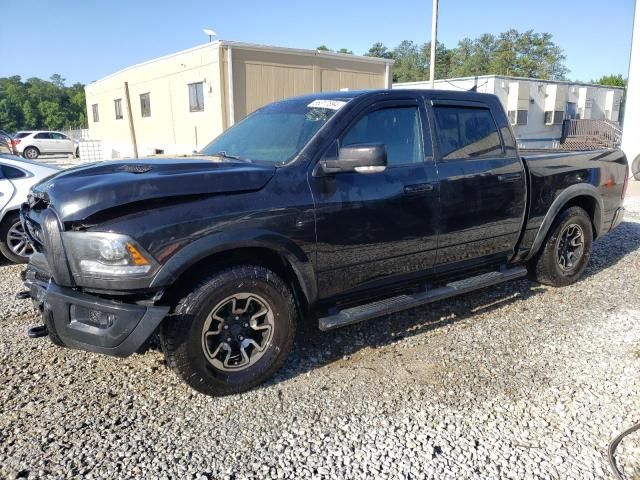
{"x":196,"y":97}
{"x":518,"y":117}
{"x":145,"y":105}
{"x":118,"y":104}
{"x":553,"y":118}
{"x":94,"y":109}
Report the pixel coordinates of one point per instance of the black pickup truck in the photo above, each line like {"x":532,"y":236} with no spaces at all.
{"x":337,"y":207}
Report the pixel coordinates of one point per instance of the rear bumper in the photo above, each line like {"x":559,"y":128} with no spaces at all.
{"x":91,"y":323}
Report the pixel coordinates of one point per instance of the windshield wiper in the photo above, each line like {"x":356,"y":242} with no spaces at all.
{"x":224,"y":154}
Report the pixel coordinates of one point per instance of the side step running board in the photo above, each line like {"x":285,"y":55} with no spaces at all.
{"x":403,"y":302}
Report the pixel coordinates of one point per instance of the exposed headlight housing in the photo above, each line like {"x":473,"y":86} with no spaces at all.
{"x":106,"y":255}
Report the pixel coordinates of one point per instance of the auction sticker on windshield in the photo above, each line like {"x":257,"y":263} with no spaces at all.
{"x":329,"y":104}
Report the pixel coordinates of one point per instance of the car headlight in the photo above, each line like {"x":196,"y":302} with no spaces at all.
{"x":106,"y":255}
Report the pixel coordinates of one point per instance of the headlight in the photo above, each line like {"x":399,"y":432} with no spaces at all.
{"x":107,"y":255}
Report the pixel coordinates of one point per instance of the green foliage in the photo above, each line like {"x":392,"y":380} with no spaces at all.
{"x":378,"y":50}
{"x":611,"y":80}
{"x":346,"y":50}
{"x":36,"y":103}
{"x":526,"y":54}
{"x":323,"y":48}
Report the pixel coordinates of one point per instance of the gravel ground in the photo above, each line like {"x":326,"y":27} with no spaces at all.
{"x":516,"y":381}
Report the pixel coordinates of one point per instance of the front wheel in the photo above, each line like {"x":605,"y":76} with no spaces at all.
{"x":14,"y":243}
{"x":567,"y":249}
{"x":232,"y":332}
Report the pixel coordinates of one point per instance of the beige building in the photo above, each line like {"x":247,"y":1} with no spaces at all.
{"x":179,"y":103}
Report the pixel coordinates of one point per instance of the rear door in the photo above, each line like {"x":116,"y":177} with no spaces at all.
{"x":6,"y":189}
{"x":377,"y":228}
{"x":482,"y":184}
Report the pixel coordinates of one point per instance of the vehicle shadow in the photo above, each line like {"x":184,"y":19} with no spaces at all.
{"x":4,"y":262}
{"x":314,"y":349}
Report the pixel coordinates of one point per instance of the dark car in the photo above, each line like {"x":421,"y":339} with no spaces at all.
{"x":337,"y":207}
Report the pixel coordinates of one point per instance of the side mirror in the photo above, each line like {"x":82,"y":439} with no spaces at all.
{"x":363,"y":158}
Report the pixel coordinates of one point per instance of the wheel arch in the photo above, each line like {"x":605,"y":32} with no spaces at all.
{"x":584,"y":196}
{"x":277,"y":253}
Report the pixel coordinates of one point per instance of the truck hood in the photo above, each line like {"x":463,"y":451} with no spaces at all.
{"x":79,"y":192}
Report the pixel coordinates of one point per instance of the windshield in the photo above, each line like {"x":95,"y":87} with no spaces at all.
{"x":275,"y":133}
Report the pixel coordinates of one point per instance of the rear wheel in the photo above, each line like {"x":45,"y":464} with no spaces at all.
{"x":14,"y":243}
{"x":567,"y":249}
{"x":232,"y":332}
{"x":31,"y":153}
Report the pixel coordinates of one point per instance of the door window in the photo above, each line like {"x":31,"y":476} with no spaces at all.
{"x":58,"y":136}
{"x":398,"y":128}
{"x":465,"y":132}
{"x":43,"y":136}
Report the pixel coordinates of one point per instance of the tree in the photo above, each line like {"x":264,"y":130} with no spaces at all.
{"x":57,"y":80}
{"x":408,"y":66}
{"x":378,"y":50}
{"x":345,"y":50}
{"x":323,"y":48}
{"x":528,"y":54}
{"x":611,"y":80}
{"x":443,"y":60}
{"x":53,"y":116}
{"x":30,"y":115}
{"x":37,"y":103}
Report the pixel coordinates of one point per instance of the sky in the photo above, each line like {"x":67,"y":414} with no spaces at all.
{"x":85,"y":40}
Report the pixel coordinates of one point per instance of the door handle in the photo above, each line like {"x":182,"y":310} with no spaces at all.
{"x":417,"y":189}
{"x":509,"y":177}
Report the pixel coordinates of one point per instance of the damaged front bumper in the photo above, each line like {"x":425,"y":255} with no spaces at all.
{"x":88,"y":322}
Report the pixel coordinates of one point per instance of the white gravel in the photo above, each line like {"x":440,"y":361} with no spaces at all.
{"x":517,"y":381}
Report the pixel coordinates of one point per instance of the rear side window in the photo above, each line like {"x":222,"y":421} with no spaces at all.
{"x":11,"y":172}
{"x":465,"y":132}
{"x":43,"y":135}
{"x":21,"y":134}
{"x":398,"y":128}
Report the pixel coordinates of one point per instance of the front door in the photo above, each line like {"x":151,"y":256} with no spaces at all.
{"x":44,"y":142}
{"x":482,"y":185}
{"x":61,"y":143}
{"x":374,"y":227}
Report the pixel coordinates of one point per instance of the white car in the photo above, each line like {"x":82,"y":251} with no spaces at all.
{"x":17,"y":176}
{"x":33,"y":143}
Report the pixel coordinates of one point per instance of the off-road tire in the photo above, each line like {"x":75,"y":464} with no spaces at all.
{"x":36,"y":154}
{"x":6,"y":225}
{"x":546,"y":267}
{"x":181,"y":333}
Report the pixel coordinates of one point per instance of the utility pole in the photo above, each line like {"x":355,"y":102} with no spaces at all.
{"x":434,"y":40}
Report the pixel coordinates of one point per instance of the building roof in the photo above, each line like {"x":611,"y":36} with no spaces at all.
{"x":507,"y":77}
{"x":255,"y":46}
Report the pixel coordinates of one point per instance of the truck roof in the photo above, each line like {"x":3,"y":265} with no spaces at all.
{"x":350,"y":94}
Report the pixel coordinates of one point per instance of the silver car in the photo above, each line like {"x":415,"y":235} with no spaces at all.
{"x":17,"y":175}
{"x":33,"y":143}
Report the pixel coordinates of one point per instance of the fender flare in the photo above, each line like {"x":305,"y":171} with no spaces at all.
{"x":221,"y":242}
{"x":574,"y":191}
